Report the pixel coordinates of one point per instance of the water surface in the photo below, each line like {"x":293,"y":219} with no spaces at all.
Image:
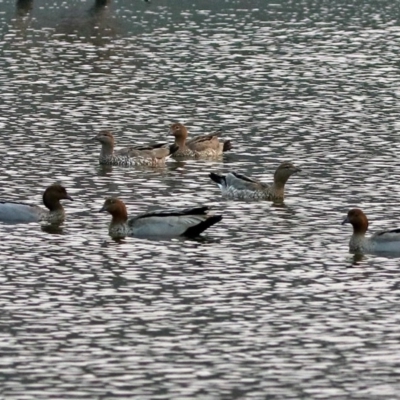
{"x":270,"y":303}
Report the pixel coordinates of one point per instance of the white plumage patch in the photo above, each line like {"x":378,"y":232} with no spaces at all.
{"x":19,"y":212}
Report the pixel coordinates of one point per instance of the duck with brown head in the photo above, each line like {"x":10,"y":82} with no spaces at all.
{"x":152,"y":155}
{"x":384,"y":241}
{"x":241,"y":187}
{"x":205,"y":146}
{"x":15,"y":212}
{"x":189,"y":222}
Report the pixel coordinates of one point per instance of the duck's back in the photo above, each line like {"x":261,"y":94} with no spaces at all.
{"x":169,"y":222}
{"x":386,"y":241}
{"x":204,"y":143}
{"x":243,"y":182}
{"x":13,"y":212}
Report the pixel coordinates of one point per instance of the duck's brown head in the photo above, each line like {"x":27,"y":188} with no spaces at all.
{"x":105,"y":137}
{"x":52,"y":196}
{"x":116,"y":208}
{"x":179,"y":131}
{"x":358,"y":219}
{"x":284,"y":172}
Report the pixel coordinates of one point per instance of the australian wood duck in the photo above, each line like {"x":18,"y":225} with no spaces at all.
{"x":237,"y":186}
{"x":15,"y":212}
{"x":205,"y":146}
{"x":161,"y":223}
{"x":384,"y":241}
{"x":152,"y":155}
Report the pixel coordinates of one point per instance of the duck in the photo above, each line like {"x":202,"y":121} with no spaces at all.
{"x":189,"y":222}
{"x":152,"y":155}
{"x":237,"y":186}
{"x":384,"y":241}
{"x":15,"y":212}
{"x":205,"y":146}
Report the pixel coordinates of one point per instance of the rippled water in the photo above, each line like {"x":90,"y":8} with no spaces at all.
{"x":269,"y":304}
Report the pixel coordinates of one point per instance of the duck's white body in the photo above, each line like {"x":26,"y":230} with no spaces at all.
{"x":160,"y":223}
{"x":11,"y":212}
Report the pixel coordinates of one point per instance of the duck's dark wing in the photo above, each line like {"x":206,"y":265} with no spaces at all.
{"x":160,"y":150}
{"x":175,"y":212}
{"x":173,"y":222}
{"x":238,"y":181}
{"x":204,"y":142}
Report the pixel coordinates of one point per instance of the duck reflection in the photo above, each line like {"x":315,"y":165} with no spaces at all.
{"x":24,"y":7}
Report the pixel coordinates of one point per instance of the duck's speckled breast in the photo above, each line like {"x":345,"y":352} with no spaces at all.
{"x":125,"y":161}
{"x":246,"y":194}
{"x":53,"y":217}
{"x":119,"y":230}
{"x":186,"y":152}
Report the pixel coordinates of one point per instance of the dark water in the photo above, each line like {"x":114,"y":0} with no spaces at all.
{"x":270,"y":304}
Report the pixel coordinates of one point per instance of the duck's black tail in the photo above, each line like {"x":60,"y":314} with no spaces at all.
{"x":173,"y":148}
{"x":227,"y":146}
{"x":196,"y":230}
{"x":220,"y":180}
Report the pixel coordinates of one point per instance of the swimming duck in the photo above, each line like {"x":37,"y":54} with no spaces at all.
{"x":188,"y":222}
{"x":205,"y":146}
{"x":385,"y":241}
{"x":152,"y":155}
{"x":237,"y":186}
{"x":14,"y":212}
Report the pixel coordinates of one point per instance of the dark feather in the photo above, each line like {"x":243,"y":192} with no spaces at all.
{"x":194,"y":231}
{"x":217,"y":178}
{"x":149,"y":146}
{"x":204,"y":138}
{"x":173,"y":148}
{"x":244,"y":177}
{"x":392,"y":231}
{"x":174,"y":212}
{"x":227,"y":146}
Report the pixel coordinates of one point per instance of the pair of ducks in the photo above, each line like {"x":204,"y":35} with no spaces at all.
{"x":189,"y":222}
{"x":205,"y":146}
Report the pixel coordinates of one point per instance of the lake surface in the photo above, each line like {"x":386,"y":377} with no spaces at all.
{"x":270,"y":304}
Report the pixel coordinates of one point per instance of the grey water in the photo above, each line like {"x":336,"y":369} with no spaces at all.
{"x":269,"y":304}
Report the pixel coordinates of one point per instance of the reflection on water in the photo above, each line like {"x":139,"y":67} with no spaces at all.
{"x":270,"y":300}
{"x":24,"y":7}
